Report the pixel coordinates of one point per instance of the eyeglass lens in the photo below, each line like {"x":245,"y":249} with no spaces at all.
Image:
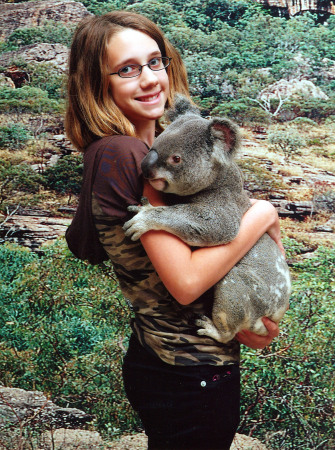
{"x":133,"y":70}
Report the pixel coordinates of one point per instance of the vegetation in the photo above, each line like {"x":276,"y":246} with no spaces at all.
{"x":14,"y":136}
{"x":66,"y":176}
{"x":65,"y":335}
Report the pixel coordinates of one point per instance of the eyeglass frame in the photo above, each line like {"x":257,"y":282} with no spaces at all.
{"x":140,"y":67}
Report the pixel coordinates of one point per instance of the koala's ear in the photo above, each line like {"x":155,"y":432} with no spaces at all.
{"x":226,"y":137}
{"x":181,"y":105}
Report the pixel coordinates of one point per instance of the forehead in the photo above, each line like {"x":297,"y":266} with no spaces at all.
{"x":130,"y":44}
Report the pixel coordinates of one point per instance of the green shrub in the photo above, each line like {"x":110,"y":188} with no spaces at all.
{"x":304,"y":121}
{"x":65,"y":177}
{"x":17,"y":177}
{"x":27,"y":99}
{"x":50,"y":32}
{"x":287,"y":141}
{"x":47,"y":77}
{"x":63,"y":327}
{"x":14,"y":136}
{"x":242,"y":112}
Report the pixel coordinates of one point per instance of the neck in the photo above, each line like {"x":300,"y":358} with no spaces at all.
{"x":146,"y":132}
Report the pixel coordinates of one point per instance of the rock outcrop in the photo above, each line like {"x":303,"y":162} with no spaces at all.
{"x":36,"y":13}
{"x":55,"y":54}
{"x":17,"y":405}
{"x":32,"y":229}
{"x":293,"y":7}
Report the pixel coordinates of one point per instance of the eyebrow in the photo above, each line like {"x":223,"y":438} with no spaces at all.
{"x":131,"y":60}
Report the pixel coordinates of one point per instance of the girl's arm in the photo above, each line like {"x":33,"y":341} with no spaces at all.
{"x":188,"y":274}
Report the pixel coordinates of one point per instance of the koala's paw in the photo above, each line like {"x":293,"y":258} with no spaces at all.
{"x":139,"y":224}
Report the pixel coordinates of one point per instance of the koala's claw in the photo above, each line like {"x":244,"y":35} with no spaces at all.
{"x":145,"y":201}
{"x":134,"y":208}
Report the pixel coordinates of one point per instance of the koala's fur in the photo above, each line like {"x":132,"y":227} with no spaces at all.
{"x":193,"y":159}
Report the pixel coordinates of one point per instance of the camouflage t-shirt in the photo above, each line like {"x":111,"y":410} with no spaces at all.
{"x":162,"y":325}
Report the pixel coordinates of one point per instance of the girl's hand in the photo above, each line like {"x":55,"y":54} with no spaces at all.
{"x":255,"y":341}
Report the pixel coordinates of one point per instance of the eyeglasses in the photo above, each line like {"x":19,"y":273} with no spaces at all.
{"x":134,"y":70}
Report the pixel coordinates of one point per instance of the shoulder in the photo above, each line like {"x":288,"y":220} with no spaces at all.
{"x":120,"y":145}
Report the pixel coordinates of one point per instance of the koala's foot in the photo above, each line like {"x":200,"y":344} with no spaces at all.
{"x":209,"y":329}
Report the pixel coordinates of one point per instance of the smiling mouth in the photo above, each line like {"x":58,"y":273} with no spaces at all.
{"x":148,"y":98}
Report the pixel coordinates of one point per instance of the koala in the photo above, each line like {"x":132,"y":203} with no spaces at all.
{"x":194,"y":159}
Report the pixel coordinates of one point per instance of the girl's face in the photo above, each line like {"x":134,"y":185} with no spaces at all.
{"x":141,"y":99}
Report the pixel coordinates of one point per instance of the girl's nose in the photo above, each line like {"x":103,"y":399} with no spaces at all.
{"x":148,"y":77}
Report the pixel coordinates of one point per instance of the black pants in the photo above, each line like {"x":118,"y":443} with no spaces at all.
{"x":188,"y":407}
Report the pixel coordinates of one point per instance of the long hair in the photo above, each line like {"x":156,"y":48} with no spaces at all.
{"x":91,"y":111}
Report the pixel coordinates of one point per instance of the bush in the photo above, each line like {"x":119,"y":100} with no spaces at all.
{"x":65,"y":177}
{"x":51,"y":32}
{"x":287,"y":141}
{"x":65,"y":325}
{"x":14,"y":136}
{"x":27,"y":99}
{"x":242,"y":112}
{"x":46,"y":77}
{"x":17,"y":177}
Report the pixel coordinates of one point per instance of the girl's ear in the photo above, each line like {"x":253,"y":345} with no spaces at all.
{"x":226,"y":137}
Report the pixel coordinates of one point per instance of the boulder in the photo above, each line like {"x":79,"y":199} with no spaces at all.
{"x":17,"y":405}
{"x":65,"y":439}
{"x":139,"y":442}
{"x":6,"y":81}
{"x":328,"y":69}
{"x":36,"y":13}
{"x":292,"y":88}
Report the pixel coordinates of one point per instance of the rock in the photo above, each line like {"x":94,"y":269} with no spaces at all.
{"x":16,"y":75}
{"x":32,"y":231}
{"x":35,"y":13}
{"x":17,"y":405}
{"x":61,"y":141}
{"x":6,"y":81}
{"x":65,"y":439}
{"x":55,"y":54}
{"x":292,"y":88}
{"x":139,"y":442}
{"x":293,"y":7}
{"x":294,"y":210}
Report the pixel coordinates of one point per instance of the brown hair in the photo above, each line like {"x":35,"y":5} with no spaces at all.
{"x":91,"y":111}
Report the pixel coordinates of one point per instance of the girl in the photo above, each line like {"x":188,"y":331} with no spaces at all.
{"x":123,"y":73}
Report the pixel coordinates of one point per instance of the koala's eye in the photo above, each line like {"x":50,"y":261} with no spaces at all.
{"x":175,"y":159}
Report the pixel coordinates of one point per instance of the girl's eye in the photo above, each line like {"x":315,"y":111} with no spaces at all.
{"x":128,"y":70}
{"x":155,"y":63}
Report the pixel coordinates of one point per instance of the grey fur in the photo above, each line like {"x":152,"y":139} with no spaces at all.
{"x":212,"y":204}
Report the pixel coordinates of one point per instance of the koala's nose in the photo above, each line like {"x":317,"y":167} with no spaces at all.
{"x":148,"y":163}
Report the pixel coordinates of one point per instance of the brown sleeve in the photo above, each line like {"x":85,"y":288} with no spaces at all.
{"x":118,"y":182}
